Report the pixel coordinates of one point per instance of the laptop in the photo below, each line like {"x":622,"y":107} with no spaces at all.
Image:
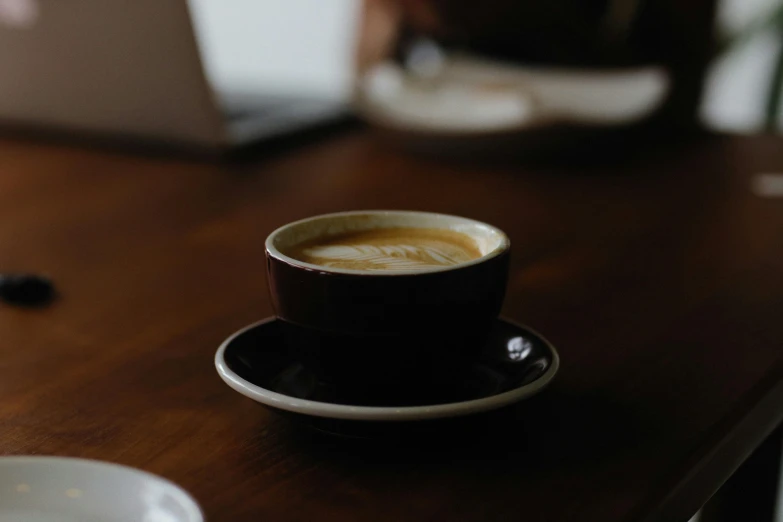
{"x":132,"y":69}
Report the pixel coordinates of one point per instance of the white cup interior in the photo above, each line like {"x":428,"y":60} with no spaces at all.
{"x":489,"y":240}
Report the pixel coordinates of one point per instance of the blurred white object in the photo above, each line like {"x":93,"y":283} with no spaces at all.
{"x":447,"y":106}
{"x":57,"y":489}
{"x":287,"y":45}
{"x":768,"y":185}
{"x":737,"y":84}
{"x":472,"y":95}
{"x":19,"y":14}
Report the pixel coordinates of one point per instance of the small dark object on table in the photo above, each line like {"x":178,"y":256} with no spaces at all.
{"x":26,"y":290}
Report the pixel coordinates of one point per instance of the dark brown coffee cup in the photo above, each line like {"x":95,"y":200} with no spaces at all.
{"x":387,"y":332}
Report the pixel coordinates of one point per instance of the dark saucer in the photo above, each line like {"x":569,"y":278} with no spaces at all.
{"x":515,"y":364}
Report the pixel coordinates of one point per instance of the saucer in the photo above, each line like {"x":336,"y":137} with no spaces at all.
{"x":472,"y":107}
{"x":515,"y":364}
{"x":471,"y":95}
{"x":49,"y":489}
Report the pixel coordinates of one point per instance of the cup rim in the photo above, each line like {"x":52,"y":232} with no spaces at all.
{"x":273,"y":252}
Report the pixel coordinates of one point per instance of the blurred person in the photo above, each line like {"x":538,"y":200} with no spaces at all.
{"x":567,"y":33}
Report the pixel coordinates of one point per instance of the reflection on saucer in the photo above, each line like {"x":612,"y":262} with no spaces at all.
{"x":519,"y":348}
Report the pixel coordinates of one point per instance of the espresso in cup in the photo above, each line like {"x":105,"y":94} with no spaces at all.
{"x":391,"y":249}
{"x":389,"y":302}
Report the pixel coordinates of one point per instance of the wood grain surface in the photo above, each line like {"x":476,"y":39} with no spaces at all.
{"x":659,"y":277}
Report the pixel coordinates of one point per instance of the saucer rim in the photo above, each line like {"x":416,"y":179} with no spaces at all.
{"x":380,"y":413}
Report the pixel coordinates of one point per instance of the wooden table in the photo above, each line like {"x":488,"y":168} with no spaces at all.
{"x":658,"y":277}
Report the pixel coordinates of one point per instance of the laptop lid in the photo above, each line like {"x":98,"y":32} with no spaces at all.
{"x":109,"y":66}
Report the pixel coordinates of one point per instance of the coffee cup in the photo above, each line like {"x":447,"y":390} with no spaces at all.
{"x":387,"y":301}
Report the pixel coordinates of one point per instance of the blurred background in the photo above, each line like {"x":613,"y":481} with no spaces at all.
{"x":260,"y":43}
{"x":444,"y":75}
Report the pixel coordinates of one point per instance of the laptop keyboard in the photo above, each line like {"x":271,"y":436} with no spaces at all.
{"x":240,"y":109}
{"x":240,"y":113}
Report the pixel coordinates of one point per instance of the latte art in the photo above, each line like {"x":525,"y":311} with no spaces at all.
{"x":390,"y":249}
{"x":387,"y":257}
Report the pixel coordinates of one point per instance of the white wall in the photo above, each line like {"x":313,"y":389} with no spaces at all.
{"x":298,"y":46}
{"x":737,"y":87}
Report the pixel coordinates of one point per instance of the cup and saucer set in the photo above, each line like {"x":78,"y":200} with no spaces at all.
{"x":386,"y":320}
